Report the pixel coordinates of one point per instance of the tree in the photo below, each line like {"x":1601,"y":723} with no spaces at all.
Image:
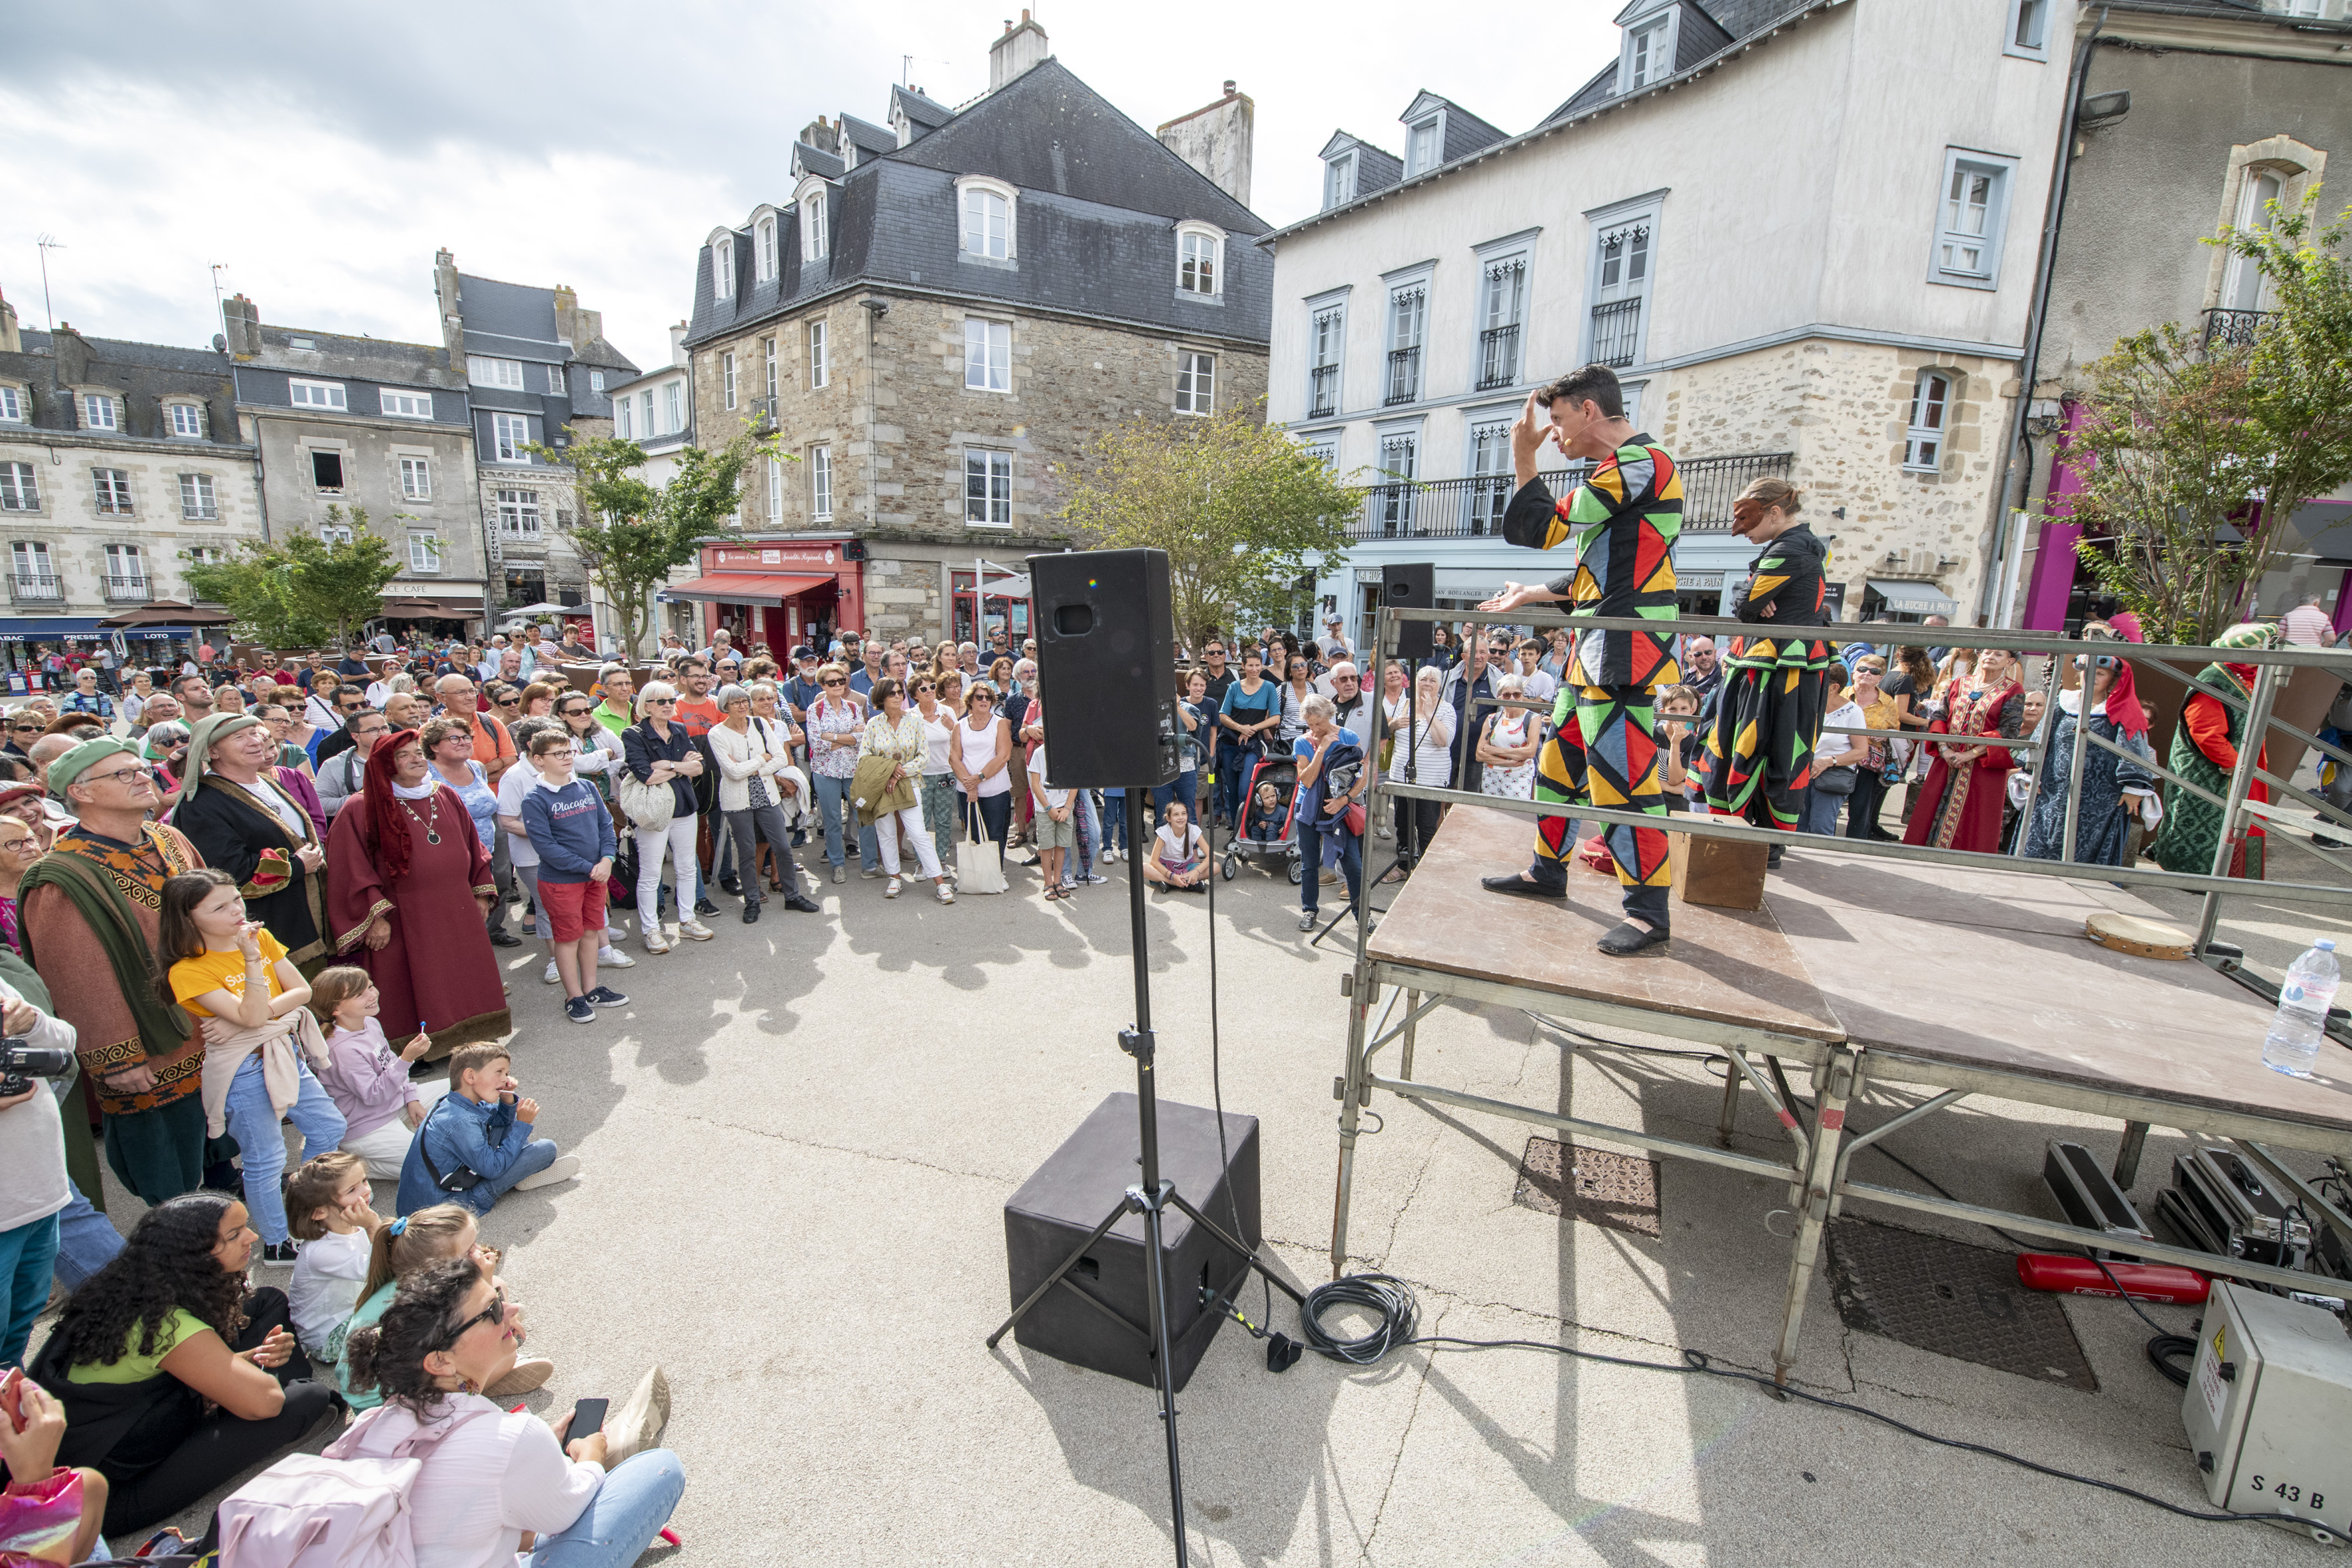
{"x":1235,"y":504}
{"x":628,"y":534}
{"x":302,"y":590}
{"x":2199,"y":451}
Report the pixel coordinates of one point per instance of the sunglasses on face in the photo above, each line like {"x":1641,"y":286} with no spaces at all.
{"x":836,"y":682}
{"x":661,"y":702}
{"x":495,"y":1312}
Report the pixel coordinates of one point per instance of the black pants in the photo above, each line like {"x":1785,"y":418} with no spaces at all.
{"x":750,"y":825}
{"x":1862,"y":811}
{"x":176,"y":1453}
{"x":1410,"y":814}
{"x":995,"y":816}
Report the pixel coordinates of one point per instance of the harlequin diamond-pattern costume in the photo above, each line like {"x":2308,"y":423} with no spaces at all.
{"x":1760,"y":757}
{"x":1623,"y":519}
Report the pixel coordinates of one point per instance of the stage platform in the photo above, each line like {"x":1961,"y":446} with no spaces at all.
{"x":1870,"y":971}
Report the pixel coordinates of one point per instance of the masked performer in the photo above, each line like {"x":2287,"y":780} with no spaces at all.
{"x":1759,"y":758}
{"x":1962,"y":803}
{"x":2113,"y":788}
{"x":1623,"y":518}
{"x":2205,"y":751}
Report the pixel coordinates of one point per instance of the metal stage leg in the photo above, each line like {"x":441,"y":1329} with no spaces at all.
{"x":1351,"y":1095}
{"x":1411,"y":1024}
{"x":2242,"y":781}
{"x":1820,"y":1177}
{"x":1728,"y":1121}
{"x":2127,"y":1153}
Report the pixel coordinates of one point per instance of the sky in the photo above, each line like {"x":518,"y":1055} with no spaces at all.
{"x":321,"y":154}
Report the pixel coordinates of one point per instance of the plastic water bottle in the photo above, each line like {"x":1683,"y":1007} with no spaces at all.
{"x":2309,"y":991}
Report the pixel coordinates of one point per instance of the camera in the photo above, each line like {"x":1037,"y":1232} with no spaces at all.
{"x":21,"y":1063}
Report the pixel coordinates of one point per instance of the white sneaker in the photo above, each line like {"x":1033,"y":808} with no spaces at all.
{"x":892,"y":890}
{"x":656,"y":941}
{"x":609,"y":957}
{"x":870,"y":873}
{"x":615,"y":933}
{"x":695,"y":931}
{"x":566,"y":1166}
{"x":552,"y":977}
{"x":1110,"y":855}
{"x":947,"y":893}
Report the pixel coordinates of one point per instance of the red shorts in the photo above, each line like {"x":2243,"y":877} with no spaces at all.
{"x":572,"y":909}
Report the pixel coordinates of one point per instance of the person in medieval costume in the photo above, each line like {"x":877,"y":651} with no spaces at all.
{"x":2115,"y":788}
{"x":1759,"y":754}
{"x":1625,"y":519}
{"x":243,"y":819}
{"x":1966,"y":794}
{"x":2205,"y":751}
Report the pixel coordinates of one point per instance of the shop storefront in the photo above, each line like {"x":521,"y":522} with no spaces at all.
{"x":782,"y":593}
{"x":1006,"y":609}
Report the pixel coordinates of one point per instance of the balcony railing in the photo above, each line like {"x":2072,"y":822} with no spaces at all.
{"x":39,"y":588}
{"x":1499,"y":357}
{"x":1473,"y":508}
{"x":127,"y":588}
{"x":2232,"y":329}
{"x":1404,"y":374}
{"x":1616,"y":332}
{"x":1322,"y":392}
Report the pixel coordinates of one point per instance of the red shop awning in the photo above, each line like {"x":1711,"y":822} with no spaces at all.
{"x":746,"y":588}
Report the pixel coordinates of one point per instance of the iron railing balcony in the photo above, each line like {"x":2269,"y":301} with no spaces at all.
{"x":1499,"y":357}
{"x":2232,"y":329}
{"x":1322,"y":391}
{"x":1473,"y":508}
{"x":39,"y":588}
{"x":1404,"y":374}
{"x":119,"y":588}
{"x":1616,"y":332}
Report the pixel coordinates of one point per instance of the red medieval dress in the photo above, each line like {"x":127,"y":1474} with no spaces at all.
{"x":1960,"y":804}
{"x":419,"y":864}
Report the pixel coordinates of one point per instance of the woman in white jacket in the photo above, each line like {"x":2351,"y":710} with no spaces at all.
{"x":488,"y":1480}
{"x":759,"y":791}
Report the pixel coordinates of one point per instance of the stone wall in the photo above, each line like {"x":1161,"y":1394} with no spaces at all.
{"x":68,"y":521}
{"x":904,"y":597}
{"x":371,"y":457}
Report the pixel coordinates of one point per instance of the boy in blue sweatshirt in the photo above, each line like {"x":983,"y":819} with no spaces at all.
{"x":572,"y":836}
{"x":483,"y":1125}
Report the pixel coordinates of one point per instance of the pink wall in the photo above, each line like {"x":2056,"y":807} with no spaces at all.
{"x":2054,"y":561}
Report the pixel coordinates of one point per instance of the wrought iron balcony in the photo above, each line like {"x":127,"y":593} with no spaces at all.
{"x":2232,"y":329}
{"x":39,"y":588}
{"x":119,"y":588}
{"x":1499,"y":357}
{"x":1616,"y":332}
{"x":1473,"y":508}
{"x":1404,"y":374}
{"x":1322,"y":391}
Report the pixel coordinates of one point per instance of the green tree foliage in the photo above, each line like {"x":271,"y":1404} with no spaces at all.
{"x":302,"y":590}
{"x":1235,"y":504}
{"x":2200,"y":452}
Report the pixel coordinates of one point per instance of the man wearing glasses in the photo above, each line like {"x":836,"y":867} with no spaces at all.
{"x":619,"y":692}
{"x":1352,"y":704}
{"x":99,"y":973}
{"x":343,"y":773}
{"x":1705,"y":678}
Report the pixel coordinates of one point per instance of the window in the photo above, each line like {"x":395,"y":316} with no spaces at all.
{"x":37,"y":577}
{"x":558,"y":382}
{"x":775,"y":491}
{"x":1931,"y":402}
{"x":1649,"y":53}
{"x":196,"y":501}
{"x":1339,"y":180}
{"x":813,"y":226}
{"x":1490,"y":465}
{"x":327,"y":472}
{"x":511,"y":433}
{"x":19,"y":490}
{"x":416,"y":479}
{"x":1621,"y":281}
{"x":317,"y":395}
{"x":1408,"y":309}
{"x":766,"y":249}
{"x":1395,"y":497}
{"x":98,"y":411}
{"x":126,"y":571}
{"x":1503,"y":296}
{"x":484,"y":370}
{"x":2241,"y":280}
{"x":1325,"y":335}
{"x":1422,"y":144}
{"x":987,"y":224}
{"x":1972,"y":214}
{"x":623,"y":426}
{"x":518,"y":514}
{"x":987,"y":488}
{"x":768,"y":355}
{"x":12,"y":405}
{"x":723,"y":266}
{"x":206,"y":554}
{"x":423,"y":552}
{"x":821,"y":483}
{"x":113,"y":491}
{"x":1199,"y":260}
{"x":2029,"y":27}
{"x":595,"y":381}
{"x":987,"y":355}
{"x":820,"y":369}
{"x":727,"y":377}
{"x":187,"y":420}
{"x":673,"y":402}
{"x":406,"y":405}
{"x":1196,"y":383}
{"x":336,"y":532}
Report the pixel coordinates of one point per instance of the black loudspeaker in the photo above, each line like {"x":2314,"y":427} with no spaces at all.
{"x":1059,"y":1207}
{"x":1107,"y":657}
{"x":1409,"y":586}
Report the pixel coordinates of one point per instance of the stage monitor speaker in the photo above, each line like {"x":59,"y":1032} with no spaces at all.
{"x":1107,"y":657}
{"x":1057,"y":1207}
{"x":1409,"y":586}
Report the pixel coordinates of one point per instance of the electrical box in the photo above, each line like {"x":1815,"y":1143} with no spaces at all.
{"x":2269,"y":1408}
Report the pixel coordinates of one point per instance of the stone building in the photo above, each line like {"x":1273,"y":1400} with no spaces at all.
{"x":1796,"y":261}
{"x":939,"y":315}
{"x":119,"y":461}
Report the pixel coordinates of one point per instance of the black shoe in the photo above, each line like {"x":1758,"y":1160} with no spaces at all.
{"x":801,"y":904}
{"x":1518,"y":885}
{"x":504,"y":939}
{"x":705,"y":907}
{"x":1625,"y":938}
{"x":606,"y":997}
{"x":751,"y":913}
{"x":279,"y":1254}
{"x":1772,"y":861}
{"x":730,"y":886}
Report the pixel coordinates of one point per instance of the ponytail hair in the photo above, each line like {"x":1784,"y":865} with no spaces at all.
{"x":1767,"y":493}
{"x":412,"y":1242}
{"x":335,"y":987}
{"x":389,"y":1354}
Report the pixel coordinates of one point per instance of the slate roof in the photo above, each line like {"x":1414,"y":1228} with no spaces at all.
{"x":517,"y":322}
{"x":925,"y":114}
{"x":145,"y":374}
{"x":1464,"y":132}
{"x":870,"y":140}
{"x":264,"y":386}
{"x":387,"y":361}
{"x":810,"y":160}
{"x":1375,"y":170}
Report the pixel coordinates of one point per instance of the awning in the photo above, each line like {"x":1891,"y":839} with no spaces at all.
{"x":38,"y":628}
{"x":1007,"y":587}
{"x":745,"y":588}
{"x":1914,"y":598}
{"x":168,"y":612}
{"x":424,"y":610}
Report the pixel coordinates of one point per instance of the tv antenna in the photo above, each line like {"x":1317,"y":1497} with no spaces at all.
{"x":48,"y":242}
{"x":220,"y":311}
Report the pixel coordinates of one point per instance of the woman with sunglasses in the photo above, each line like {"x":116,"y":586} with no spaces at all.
{"x":24,"y":726}
{"x":835,"y":725}
{"x":981,"y":757}
{"x":757,"y":786}
{"x":658,"y":750}
{"x":896,"y":736}
{"x":489,"y":1475}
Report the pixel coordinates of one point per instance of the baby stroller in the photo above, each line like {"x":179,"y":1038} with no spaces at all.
{"x":1254,"y":838}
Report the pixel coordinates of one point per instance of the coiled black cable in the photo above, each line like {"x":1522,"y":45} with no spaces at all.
{"x":1388,"y":1298}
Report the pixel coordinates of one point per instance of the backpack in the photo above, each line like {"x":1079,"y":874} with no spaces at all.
{"x":329,"y":1510}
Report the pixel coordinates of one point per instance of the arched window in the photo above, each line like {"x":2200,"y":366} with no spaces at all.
{"x":1199,"y":259}
{"x":722,"y":264}
{"x":813,"y":226}
{"x":2242,"y":285}
{"x":766,"y":249}
{"x":986,"y":216}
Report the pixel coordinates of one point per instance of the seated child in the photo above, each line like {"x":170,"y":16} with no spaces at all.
{"x":1179,"y":858}
{"x":366,"y":1078}
{"x":1683,"y":747}
{"x":401,"y":1247}
{"x":476,"y":1146}
{"x":1266,"y":820}
{"x":330,"y":1212}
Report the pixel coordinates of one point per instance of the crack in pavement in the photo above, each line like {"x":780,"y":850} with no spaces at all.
{"x":859,"y":1153}
{"x":1364,"y":1553}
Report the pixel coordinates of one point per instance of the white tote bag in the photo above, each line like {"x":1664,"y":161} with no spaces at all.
{"x":980,"y":865}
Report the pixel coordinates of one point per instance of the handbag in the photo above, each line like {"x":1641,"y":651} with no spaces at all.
{"x":1839,"y":780}
{"x":648,"y":805}
{"x":464,"y":1179}
{"x":980,"y":865}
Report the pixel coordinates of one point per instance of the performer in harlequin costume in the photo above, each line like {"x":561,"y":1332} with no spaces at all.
{"x":1623,"y":518}
{"x":2205,"y":751}
{"x":1759,"y":758}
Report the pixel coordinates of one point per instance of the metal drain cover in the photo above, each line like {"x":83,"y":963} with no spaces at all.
{"x":1616,"y":1191}
{"x":1952,"y":1299}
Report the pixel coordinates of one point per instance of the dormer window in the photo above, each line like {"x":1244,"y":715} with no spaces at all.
{"x":723,"y":266}
{"x":813,"y":226}
{"x":1339,"y":181}
{"x":1423,"y":145}
{"x":989,"y":221}
{"x":766,"y":249}
{"x":1648,"y":53}
{"x":1200,"y":258}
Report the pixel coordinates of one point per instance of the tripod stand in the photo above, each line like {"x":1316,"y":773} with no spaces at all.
{"x":1408,"y":839}
{"x":1150,"y":1197}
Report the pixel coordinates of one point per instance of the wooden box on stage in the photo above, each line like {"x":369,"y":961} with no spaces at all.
{"x":1717,"y":873}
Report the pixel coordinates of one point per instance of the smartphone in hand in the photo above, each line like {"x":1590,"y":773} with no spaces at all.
{"x":587,"y":1417}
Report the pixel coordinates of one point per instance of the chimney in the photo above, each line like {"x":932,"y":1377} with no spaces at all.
{"x":73,"y":355}
{"x":1021,"y":46}
{"x":592,"y":326}
{"x":567,"y":315}
{"x":677,"y":344}
{"x":1216,"y":141}
{"x":10,"y":342}
{"x":453,"y":306}
{"x":823,"y":135}
{"x":241,"y":325}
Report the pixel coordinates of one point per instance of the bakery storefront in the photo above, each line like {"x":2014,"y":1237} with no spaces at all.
{"x":783,"y":592}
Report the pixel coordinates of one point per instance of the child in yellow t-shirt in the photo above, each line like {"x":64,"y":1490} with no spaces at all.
{"x":248,"y":997}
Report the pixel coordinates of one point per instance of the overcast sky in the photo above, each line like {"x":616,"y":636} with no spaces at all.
{"x":322,"y":153}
